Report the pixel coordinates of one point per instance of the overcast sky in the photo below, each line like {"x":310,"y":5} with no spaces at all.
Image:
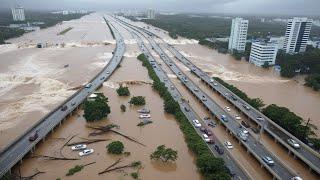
{"x":308,"y":7}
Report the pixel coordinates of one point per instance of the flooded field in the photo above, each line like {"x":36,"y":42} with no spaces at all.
{"x":163,"y":130}
{"x":34,"y":80}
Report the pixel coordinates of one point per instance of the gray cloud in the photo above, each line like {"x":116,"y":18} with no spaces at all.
{"x":212,"y":6}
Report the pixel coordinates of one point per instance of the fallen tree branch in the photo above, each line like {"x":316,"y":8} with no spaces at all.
{"x":32,"y":176}
{"x":66,"y":144}
{"x":134,"y":164}
{"x":88,"y":164}
{"x":131,"y":139}
{"x":89,"y":141}
{"x":52,"y":157}
{"x":113,"y":164}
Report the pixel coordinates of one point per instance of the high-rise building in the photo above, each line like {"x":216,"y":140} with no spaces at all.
{"x":297,"y":35}
{"x":18,"y":13}
{"x":263,"y":52}
{"x":151,"y":14}
{"x":238,"y":35}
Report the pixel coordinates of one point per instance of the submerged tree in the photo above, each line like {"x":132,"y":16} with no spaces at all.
{"x":164,"y":154}
{"x":97,"y":108}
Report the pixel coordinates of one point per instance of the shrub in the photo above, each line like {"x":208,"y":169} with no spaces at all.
{"x":138,"y":100}
{"x":134,"y":175}
{"x":115,"y":147}
{"x":123,"y":108}
{"x":123,"y":91}
{"x":74,"y":170}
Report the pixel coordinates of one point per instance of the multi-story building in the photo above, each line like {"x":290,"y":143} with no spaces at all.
{"x":238,"y":35}
{"x":151,"y":14}
{"x":263,"y":52}
{"x":18,"y":13}
{"x":297,"y":35}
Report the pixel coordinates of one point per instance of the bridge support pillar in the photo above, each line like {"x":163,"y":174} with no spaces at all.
{"x":20,"y":161}
{"x":275,"y":140}
{"x":44,"y":139}
{"x":289,"y":152}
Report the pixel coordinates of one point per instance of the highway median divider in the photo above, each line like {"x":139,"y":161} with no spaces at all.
{"x":209,"y":166}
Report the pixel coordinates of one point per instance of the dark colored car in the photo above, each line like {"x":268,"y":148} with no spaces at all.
{"x":212,"y":124}
{"x":64,"y":108}
{"x":234,"y":97}
{"x":230,"y":171}
{"x":34,"y":136}
{"x":187,"y":109}
{"x":218,"y":149}
{"x":245,"y":124}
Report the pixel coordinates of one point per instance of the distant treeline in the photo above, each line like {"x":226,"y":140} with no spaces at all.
{"x":200,"y":27}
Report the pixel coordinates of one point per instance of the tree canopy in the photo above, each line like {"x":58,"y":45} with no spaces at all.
{"x":164,"y":154}
{"x":123,"y":91}
{"x":96,"y":109}
{"x":115,"y":147}
{"x":137,"y":100}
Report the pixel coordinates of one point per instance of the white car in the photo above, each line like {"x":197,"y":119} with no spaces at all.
{"x":211,"y":80}
{"x":79,"y":147}
{"x":196,"y":89}
{"x":145,"y":116}
{"x":204,"y":98}
{"x":228,"y":145}
{"x":228,"y":108}
{"x":108,"y":72}
{"x":88,"y":85}
{"x":215,"y":84}
{"x":86,"y":152}
{"x":260,"y":118}
{"x":237,"y":117}
{"x":206,"y":137}
{"x":268,"y":160}
{"x":293,"y":143}
{"x":196,"y":123}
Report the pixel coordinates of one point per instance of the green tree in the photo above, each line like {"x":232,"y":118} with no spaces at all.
{"x":137,"y":100}
{"x":115,"y":147}
{"x":208,"y":164}
{"x":74,"y":170}
{"x":164,"y":154}
{"x":171,"y":106}
{"x":266,"y":65}
{"x":123,"y":91}
{"x":96,"y":109}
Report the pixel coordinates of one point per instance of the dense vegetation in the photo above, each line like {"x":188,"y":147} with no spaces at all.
{"x":74,"y":170}
{"x":115,"y":147}
{"x":255,"y":102}
{"x":96,"y":109}
{"x":203,"y":26}
{"x":48,"y":18}
{"x":290,"y":122}
{"x":305,"y":63}
{"x":313,"y":81}
{"x":7,"y":33}
{"x":164,"y":154}
{"x":123,"y":91}
{"x":194,"y":141}
{"x":137,"y":100}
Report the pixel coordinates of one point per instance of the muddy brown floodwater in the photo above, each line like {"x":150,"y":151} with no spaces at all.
{"x":35,"y":80}
{"x":163,"y":130}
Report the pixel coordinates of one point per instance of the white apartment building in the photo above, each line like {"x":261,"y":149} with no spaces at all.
{"x":297,"y":35}
{"x":18,"y":13}
{"x":262,"y":52}
{"x":238,"y":35}
{"x":151,"y":14}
